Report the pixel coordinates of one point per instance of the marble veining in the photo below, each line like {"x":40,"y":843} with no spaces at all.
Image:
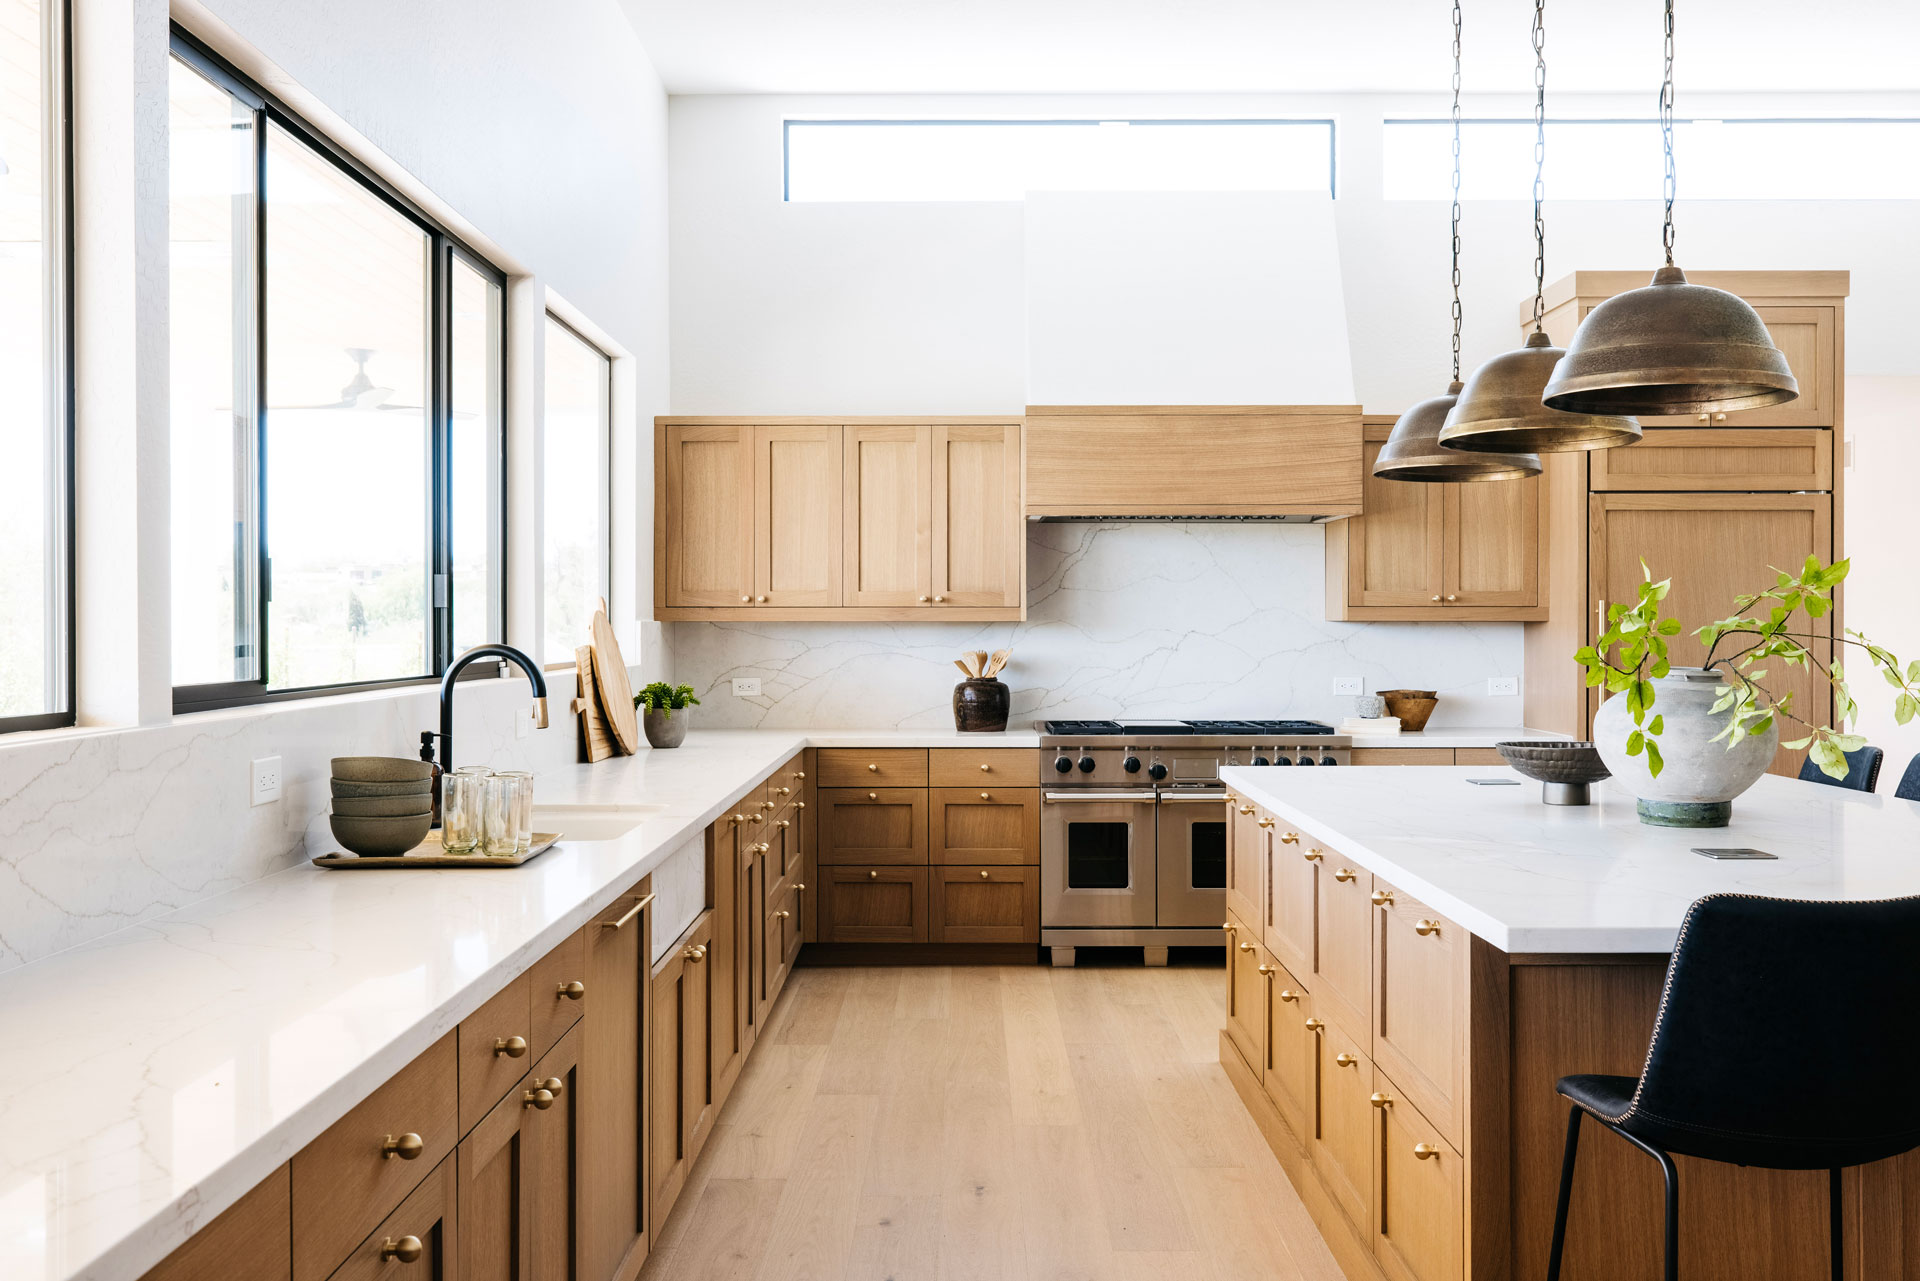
{"x":1530,"y":877}
{"x":1181,"y":618}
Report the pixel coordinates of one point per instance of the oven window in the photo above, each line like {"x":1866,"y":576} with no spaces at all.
{"x":1097,"y":855}
{"x":1209,"y":863}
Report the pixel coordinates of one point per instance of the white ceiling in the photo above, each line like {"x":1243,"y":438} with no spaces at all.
{"x":1203,"y":46}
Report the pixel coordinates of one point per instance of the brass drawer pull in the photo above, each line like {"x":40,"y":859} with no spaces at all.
{"x":1312,"y":856}
{"x":756,"y":818}
{"x":785,"y":822}
{"x":1290,"y":838}
{"x":1381,"y":1100}
{"x":983,"y":874}
{"x":407,"y":1250}
{"x":1266,"y":822}
{"x":537,"y":1098}
{"x":783,"y":914}
{"x":737,"y":818}
{"x":873,"y":769}
{"x":1424,"y":928}
{"x":1345,"y":874}
{"x":873,"y":796}
{"x":1345,"y":1060}
{"x":1314,"y":1025}
{"x":1267,"y":970}
{"x":1246,"y":809}
{"x":799,"y":805}
{"x":1381,"y":898}
{"x":694,"y":952}
{"x":552,"y":1085}
{"x":986,"y":796}
{"x":769,"y":805}
{"x":784,"y":791}
{"x":800,"y":773}
{"x":639,"y":906}
{"x":1289,"y":995}
{"x":873,"y":876}
{"x":514,"y":1047}
{"x":985,"y":768}
{"x":407,"y":1147}
{"x":572,"y":991}
{"x":1246,"y":947}
{"x":797,"y":887}
{"x":1229,"y":927}
{"x":1425,"y":1151}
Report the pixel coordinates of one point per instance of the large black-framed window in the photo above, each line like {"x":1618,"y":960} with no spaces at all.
{"x":337,"y":422}
{"x":36,"y":368}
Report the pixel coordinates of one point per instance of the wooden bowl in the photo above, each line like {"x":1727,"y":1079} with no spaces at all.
{"x":382,"y":769}
{"x":1412,"y":706}
{"x":374,"y":837}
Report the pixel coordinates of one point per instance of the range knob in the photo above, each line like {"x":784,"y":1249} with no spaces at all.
{"x":1062,"y":765}
{"x":1131,"y":765}
{"x":1328,"y":760}
{"x":1284,"y":760}
{"x":1261,"y":760}
{"x":1307,"y":760}
{"x":1086,"y":764}
{"x":1156,"y":771}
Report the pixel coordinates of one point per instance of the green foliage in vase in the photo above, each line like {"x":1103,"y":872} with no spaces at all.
{"x":1768,"y":626}
{"x":662,"y":697}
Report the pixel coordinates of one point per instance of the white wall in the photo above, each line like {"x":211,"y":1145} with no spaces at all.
{"x":1883,"y":422}
{"x":539,"y":135}
{"x":869,"y":308}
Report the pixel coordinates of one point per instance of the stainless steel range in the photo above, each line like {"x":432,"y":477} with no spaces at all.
{"x":1133,"y":828}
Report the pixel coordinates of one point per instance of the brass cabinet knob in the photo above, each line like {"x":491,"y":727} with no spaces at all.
{"x":1289,"y":995}
{"x":541,"y":1099}
{"x":1706,"y":418}
{"x":407,"y":1147}
{"x":694,"y":952}
{"x":784,"y":823}
{"x":873,"y":876}
{"x":1232,"y":799}
{"x":407,"y":1250}
{"x":1246,"y":947}
{"x":769,"y":805}
{"x":799,"y":773}
{"x":783,"y":914}
{"x":756,"y":818}
{"x":1266,"y":822}
{"x":1425,"y":1151}
{"x":746,"y":600}
{"x":985,"y":768}
{"x":925,"y":599}
{"x":1289,"y":838}
{"x":1436,"y":599}
{"x":764,"y":846}
{"x":1312,"y":856}
{"x":1452,"y":597}
{"x":1381,"y":898}
{"x":1314,"y":1025}
{"x":1246,"y":809}
{"x":798,"y":886}
{"x":552,"y":1085}
{"x":983,"y":874}
{"x":985,"y":796}
{"x":1424,"y":928}
{"x":1381,"y":1100}
{"x":514,"y":1047}
{"x":799,"y":805}
{"x":737,"y":818}
{"x":939,"y":599}
{"x":1266,"y":970}
{"x":1229,"y":926}
{"x":873,"y":769}
{"x":1345,"y":1060}
{"x":1345,"y":874}
{"x":572,"y":991}
{"x":873,"y":796}
{"x":784,"y":791}
{"x":759,"y":600}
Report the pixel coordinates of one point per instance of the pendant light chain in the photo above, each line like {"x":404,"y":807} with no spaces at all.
{"x":1670,"y":183}
{"x":1540,"y":160}
{"x":1456,"y":190}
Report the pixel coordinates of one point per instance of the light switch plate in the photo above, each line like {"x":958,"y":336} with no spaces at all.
{"x":1344,"y":686}
{"x":746,"y":686}
{"x":1502,"y":686}
{"x":266,"y":780}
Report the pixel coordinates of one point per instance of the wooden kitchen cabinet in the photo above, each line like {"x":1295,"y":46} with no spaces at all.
{"x":877,"y":825}
{"x":557,"y":985}
{"x":1436,"y":552}
{"x":888,"y":479}
{"x":872,"y":904}
{"x":704,"y":517}
{"x":494,"y":1177}
{"x":250,"y":1239}
{"x":427,"y":1221}
{"x":1420,"y":1006}
{"x":1344,"y":1138}
{"x":1290,"y":1075}
{"x":615,"y":1074}
{"x":783,"y":937}
{"x":872,"y":766}
{"x":1343,"y":929}
{"x":996,"y":904}
{"x":553,"y":1153}
{"x":1419,"y":1219}
{"x":975,"y":825}
{"x":682,"y":1095}
{"x":979,"y":553}
{"x":1736,"y":460}
{"x":495,"y":1042}
{"x":1246,"y":993}
{"x":729,"y":899}
{"x":1288,"y":927}
{"x":796,"y":516}
{"x":1247,"y":842}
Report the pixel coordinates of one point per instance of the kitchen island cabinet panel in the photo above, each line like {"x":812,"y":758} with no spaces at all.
{"x":1247,"y":842}
{"x":1294,"y":868}
{"x":1343,"y":930}
{"x":1420,"y":1005}
{"x":1419,"y":1221}
{"x":1344,"y":1138}
{"x":683,"y":1088}
{"x":250,"y":1239}
{"x":493,"y":1171}
{"x":1246,"y":992}
{"x":1291,"y":1073}
{"x":427,"y":1221}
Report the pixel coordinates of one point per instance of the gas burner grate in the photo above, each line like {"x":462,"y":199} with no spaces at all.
{"x":1259,"y":727}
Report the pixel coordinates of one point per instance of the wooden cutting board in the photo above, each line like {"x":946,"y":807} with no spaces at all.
{"x":595,"y":743}
{"x":610,"y":677}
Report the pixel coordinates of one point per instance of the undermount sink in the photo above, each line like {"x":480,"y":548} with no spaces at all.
{"x":591,"y":822}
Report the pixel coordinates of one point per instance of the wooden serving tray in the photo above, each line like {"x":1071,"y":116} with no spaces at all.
{"x":429,"y":854}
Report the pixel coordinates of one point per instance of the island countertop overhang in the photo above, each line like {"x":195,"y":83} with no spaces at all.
{"x":1533,"y":878}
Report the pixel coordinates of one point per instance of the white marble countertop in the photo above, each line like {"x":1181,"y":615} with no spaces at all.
{"x":1454,"y":736}
{"x":1530,"y":877}
{"x":161,"y":1071}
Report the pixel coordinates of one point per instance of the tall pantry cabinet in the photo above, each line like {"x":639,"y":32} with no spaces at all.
{"x":1709,"y":500}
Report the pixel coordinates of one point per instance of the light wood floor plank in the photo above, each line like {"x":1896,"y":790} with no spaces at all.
{"x":726,"y":1233}
{"x":764,"y":1117}
{"x":860,"y":1056}
{"x":1142,"y":1205}
{"x":1037,"y":1070}
{"x":1067,"y":1238}
{"x":898,"y":1239}
{"x":813,"y":1226}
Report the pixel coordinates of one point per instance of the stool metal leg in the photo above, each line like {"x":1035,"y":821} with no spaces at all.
{"x":1833,"y":1220}
{"x":1672,"y":1271}
{"x":1566,"y":1194}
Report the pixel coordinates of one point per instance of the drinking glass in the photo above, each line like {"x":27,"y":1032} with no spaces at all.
{"x":461,"y":801}
{"x":522,"y":808}
{"x":499,"y":837}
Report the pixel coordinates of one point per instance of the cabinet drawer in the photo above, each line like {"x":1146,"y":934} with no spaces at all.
{"x":984,"y":766}
{"x":996,"y":904}
{"x":782,"y":788}
{"x":1292,"y":1065}
{"x":558,"y":991}
{"x":873,"y":767}
{"x":1344,"y":1122}
{"x":881,"y":825}
{"x":1749,"y":459}
{"x":345,"y":1181}
{"x":1420,"y":1005}
{"x":1291,"y":909}
{"x":873,"y":904}
{"x":1478,"y":756}
{"x":1249,"y":837}
{"x":1403,"y":756}
{"x":1343,"y":932}
{"x":1246,"y":993}
{"x":782,"y":939}
{"x":248,"y":1240}
{"x":430,"y":1215}
{"x":984,"y":825}
{"x":1419,"y":1224}
{"x":496,"y":1043}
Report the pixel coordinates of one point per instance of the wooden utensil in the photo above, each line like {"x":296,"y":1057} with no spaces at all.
{"x":964,"y":669}
{"x":979,"y":657}
{"x":610,"y":678}
{"x":998,"y":661}
{"x":595,"y":745}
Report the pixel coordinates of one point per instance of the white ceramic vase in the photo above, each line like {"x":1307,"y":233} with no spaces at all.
{"x":1700,"y":777}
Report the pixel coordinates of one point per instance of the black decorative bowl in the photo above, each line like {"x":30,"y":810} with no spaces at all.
{"x":980,"y":705}
{"x":1563,"y":768}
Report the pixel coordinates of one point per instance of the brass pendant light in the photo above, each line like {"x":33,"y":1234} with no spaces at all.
{"x":1412,"y":451}
{"x":1500,"y":408}
{"x":1671,"y":347}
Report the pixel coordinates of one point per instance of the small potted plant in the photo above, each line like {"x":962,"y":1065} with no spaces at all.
{"x":658,"y":702}
{"x":1667,"y":757}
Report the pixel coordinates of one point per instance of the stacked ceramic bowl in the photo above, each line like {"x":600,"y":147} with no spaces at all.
{"x":382,"y":805}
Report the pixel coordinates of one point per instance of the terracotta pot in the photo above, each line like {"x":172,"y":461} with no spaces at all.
{"x":980,"y":706}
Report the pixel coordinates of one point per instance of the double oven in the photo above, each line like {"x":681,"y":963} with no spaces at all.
{"x":1133,"y":827}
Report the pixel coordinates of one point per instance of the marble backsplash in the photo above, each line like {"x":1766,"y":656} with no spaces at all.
{"x":102,"y":830}
{"x":1186,"y":618}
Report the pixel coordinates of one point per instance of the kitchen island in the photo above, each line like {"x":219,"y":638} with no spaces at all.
{"x":1412,"y":968}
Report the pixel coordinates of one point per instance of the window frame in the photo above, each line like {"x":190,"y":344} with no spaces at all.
{"x":605,"y":516}
{"x":444,"y":247}
{"x":787,"y":124}
{"x":62,"y":649}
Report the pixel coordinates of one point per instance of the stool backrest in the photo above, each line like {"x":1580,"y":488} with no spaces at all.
{"x":1863,"y":770}
{"x":1909,"y":789}
{"x":1792,"y":1021}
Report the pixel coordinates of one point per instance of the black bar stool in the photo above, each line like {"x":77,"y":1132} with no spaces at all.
{"x":1728,"y":1079}
{"x":1909,"y":789}
{"x":1863,"y":770}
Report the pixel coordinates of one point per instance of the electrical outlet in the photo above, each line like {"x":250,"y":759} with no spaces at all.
{"x":266,"y":780}
{"x":746,"y":687}
{"x":1348,"y":686}
{"x":1503,"y":686}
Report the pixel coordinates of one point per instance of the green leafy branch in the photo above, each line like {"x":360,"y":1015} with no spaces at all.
{"x":662,"y":697}
{"x":1629,"y":655}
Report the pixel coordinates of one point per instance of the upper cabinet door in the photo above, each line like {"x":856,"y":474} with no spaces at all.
{"x":1809,"y":338}
{"x":979,"y":543}
{"x":1394,"y":550}
{"x":796,"y":516}
{"x":709,"y":525}
{"x":889,"y":484}
{"x":1492,"y":543}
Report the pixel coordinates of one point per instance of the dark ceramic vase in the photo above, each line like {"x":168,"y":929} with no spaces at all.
{"x":980,"y":706}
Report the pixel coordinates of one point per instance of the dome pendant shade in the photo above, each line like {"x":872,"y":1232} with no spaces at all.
{"x":1671,"y":348}
{"x":1413,"y":452}
{"x":1501,"y":409}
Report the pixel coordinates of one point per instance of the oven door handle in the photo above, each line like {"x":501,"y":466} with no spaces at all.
{"x":1210,"y":798}
{"x":1095,"y":798}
